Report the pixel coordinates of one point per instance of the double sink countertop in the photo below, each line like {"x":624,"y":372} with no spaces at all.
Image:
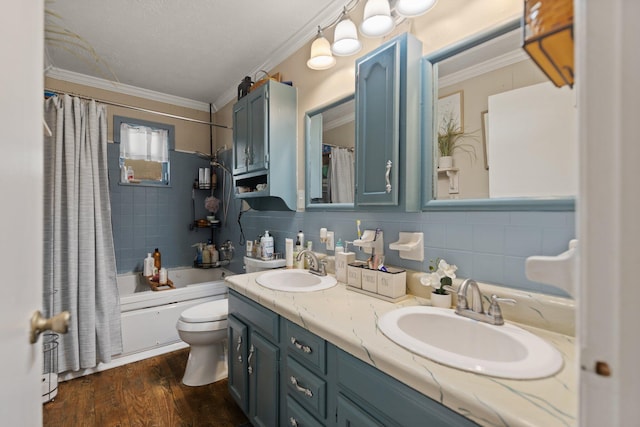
{"x":348,"y":320}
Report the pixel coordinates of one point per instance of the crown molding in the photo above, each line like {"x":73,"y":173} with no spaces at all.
{"x":83,"y":79}
{"x":483,"y":67}
{"x":289,"y":47}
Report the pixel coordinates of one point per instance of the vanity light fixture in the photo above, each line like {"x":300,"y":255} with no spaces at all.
{"x":345,"y":37}
{"x":411,"y":8}
{"x":321,"y":57}
{"x":377,"y":20}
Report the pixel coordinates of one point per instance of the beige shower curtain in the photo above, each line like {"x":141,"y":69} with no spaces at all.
{"x":79,"y":258}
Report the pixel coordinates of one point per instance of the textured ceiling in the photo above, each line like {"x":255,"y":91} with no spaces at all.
{"x":195,"y":49}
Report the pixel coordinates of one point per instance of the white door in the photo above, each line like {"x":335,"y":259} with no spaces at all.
{"x":21,"y":174}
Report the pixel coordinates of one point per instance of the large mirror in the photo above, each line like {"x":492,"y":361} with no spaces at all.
{"x":330,"y":155}
{"x":502,"y":136}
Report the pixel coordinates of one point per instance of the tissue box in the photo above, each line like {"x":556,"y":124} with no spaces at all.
{"x":370,"y":280}
{"x":392,"y":283}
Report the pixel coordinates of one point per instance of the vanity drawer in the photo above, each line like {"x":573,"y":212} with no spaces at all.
{"x":262,"y":318}
{"x":297,"y":416}
{"x":305,"y":345}
{"x":306,"y":388}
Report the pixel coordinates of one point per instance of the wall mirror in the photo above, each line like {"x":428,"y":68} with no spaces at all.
{"x":514,"y":132}
{"x":330,"y":155}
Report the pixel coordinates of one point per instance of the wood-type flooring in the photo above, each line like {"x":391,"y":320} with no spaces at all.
{"x":145,"y":393}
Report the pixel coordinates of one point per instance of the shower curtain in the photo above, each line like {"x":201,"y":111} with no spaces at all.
{"x":79,"y":257}
{"x":341,"y":175}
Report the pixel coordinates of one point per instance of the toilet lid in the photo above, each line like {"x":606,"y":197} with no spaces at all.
{"x":206,"y":312}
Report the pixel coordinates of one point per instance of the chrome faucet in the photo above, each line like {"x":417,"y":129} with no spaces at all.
{"x":476,"y":312}
{"x":315,"y":266}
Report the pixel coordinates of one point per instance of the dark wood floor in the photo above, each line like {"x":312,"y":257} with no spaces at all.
{"x":145,"y":393}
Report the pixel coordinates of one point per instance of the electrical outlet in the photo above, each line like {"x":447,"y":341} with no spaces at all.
{"x":330,"y":243}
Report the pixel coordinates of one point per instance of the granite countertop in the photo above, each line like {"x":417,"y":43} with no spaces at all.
{"x":349,"y":321}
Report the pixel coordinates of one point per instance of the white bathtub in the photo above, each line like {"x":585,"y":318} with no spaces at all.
{"x":149,"y":317}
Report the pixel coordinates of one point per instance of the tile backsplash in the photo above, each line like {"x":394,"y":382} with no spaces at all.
{"x":488,"y":246}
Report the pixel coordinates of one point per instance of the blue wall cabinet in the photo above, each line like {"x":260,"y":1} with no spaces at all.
{"x":253,"y":360}
{"x":388,"y":144}
{"x":264,"y":147}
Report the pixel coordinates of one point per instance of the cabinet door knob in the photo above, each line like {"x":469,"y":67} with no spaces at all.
{"x":293,"y":422}
{"x":386,"y":176}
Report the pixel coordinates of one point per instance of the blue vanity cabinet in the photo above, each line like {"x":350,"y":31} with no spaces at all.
{"x":369,"y":397}
{"x":264,"y":147}
{"x":388,"y":152}
{"x":305,"y":384}
{"x":254,"y":360}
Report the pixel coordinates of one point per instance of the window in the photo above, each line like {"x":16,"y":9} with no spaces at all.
{"x":144,"y":150}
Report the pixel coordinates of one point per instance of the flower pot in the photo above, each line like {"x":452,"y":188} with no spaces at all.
{"x":445,"y":162}
{"x":439,"y":300}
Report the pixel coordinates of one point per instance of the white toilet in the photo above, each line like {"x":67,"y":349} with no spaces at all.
{"x":204,"y":328}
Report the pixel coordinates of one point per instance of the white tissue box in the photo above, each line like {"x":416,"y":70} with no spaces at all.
{"x":370,"y":280}
{"x":392,"y":283}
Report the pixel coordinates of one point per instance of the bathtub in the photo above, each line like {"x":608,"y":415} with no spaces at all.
{"x":149,"y":317}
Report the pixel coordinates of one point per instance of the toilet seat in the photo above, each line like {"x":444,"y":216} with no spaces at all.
{"x":209,"y":316}
{"x":207,"y":312}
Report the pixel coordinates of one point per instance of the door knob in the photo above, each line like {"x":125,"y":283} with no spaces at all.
{"x":58,"y":323}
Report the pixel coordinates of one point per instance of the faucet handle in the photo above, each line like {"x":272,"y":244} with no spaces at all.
{"x":494,"y":309}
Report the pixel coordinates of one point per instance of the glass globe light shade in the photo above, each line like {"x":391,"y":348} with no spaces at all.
{"x":410,"y":8}
{"x":321,"y":57}
{"x":377,"y":21}
{"x":345,"y":39}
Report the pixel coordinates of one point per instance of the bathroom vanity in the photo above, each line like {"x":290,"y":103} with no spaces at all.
{"x":318,"y":359}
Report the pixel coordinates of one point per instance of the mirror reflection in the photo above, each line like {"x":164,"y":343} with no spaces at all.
{"x":330,"y":151}
{"x":502,"y":129}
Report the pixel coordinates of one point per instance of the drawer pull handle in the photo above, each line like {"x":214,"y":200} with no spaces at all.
{"x":303,"y":390}
{"x":293,"y":422}
{"x":250,"y":368}
{"x":299,"y":346}
{"x":238,"y":349}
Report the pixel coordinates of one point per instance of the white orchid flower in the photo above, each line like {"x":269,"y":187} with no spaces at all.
{"x":448,"y":270}
{"x":430,"y":279}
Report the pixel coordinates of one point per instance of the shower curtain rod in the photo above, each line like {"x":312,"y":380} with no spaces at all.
{"x":133,"y":107}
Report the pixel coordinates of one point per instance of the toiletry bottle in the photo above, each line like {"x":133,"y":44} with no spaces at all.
{"x":215,"y":255}
{"x":288,"y":252}
{"x":148,"y":265}
{"x":130,"y":175}
{"x":123,"y":174}
{"x":267,"y":246}
{"x":339,"y":247}
{"x":157,"y":261}
{"x":206,"y":255}
{"x":297,"y":250}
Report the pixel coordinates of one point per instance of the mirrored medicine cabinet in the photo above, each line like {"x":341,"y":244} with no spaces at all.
{"x":330,"y":155}
{"x":517,"y":148}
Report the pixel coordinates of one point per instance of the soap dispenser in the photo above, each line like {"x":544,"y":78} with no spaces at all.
{"x":266,"y":242}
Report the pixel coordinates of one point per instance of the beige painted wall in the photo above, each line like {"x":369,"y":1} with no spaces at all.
{"x":189,"y":136}
{"x":448,"y":22}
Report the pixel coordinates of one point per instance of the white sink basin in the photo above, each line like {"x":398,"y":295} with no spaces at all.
{"x":439,"y":334}
{"x":295,"y":281}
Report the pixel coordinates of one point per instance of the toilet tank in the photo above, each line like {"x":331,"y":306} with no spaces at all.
{"x":252,"y":265}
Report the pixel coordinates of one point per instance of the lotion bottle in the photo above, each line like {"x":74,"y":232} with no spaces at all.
{"x":148,"y":265}
{"x":266,"y":242}
{"x":157,"y":261}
